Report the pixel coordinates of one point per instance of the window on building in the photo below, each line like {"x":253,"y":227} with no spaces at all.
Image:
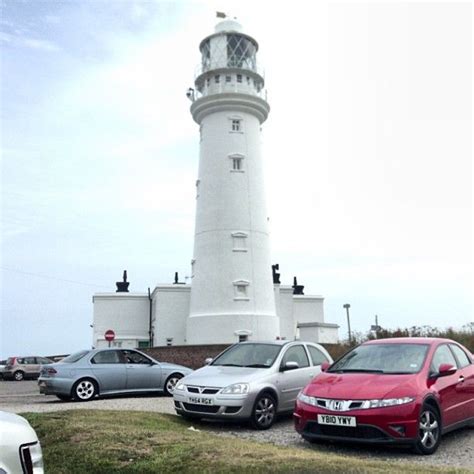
{"x":236,"y":125}
{"x":117,"y":344}
{"x":241,"y":290}
{"x":143,"y":344}
{"x":169,"y":341}
{"x":248,"y":80}
{"x":243,"y":338}
{"x":198,"y":182}
{"x":239,"y":241}
{"x":239,"y":77}
{"x":228,"y":78}
{"x":208,"y":81}
{"x":217,"y":78}
{"x":237,"y":164}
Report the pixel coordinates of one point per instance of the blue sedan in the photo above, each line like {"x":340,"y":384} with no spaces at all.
{"x":86,"y":374}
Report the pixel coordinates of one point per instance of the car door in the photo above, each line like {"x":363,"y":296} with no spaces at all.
{"x":465,"y":384}
{"x":446,"y":385}
{"x":109,"y":369}
{"x":32,"y":367}
{"x":142,"y":372}
{"x":290,"y":382}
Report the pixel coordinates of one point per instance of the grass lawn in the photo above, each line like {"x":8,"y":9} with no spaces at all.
{"x":94,"y":441}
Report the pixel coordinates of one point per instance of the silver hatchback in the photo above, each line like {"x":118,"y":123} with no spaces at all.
{"x":250,"y":381}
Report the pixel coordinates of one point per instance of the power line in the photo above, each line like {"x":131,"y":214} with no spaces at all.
{"x":49,"y":277}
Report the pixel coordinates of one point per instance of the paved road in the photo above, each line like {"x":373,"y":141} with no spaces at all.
{"x":457,"y":449}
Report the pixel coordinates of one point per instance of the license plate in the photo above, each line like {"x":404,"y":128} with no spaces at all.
{"x":337,"y":420}
{"x":201,"y":400}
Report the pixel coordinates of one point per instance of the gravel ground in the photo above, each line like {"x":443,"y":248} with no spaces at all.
{"x":456,"y":450}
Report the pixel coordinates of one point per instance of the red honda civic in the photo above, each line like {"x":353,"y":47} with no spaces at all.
{"x":391,"y":391}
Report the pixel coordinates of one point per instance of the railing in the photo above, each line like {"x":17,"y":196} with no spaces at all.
{"x":255,"y":68}
{"x":214,"y":89}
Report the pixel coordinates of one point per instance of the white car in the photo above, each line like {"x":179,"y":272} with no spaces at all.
{"x":20,"y":449}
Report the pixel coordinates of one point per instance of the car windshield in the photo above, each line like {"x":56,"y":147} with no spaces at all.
{"x":73,"y":357}
{"x":382,"y":358}
{"x":249,"y":355}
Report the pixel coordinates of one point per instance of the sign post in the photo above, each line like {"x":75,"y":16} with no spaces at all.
{"x":109,"y":335}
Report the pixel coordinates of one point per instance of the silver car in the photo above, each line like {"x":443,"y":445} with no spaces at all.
{"x":250,"y":381}
{"x":86,"y":374}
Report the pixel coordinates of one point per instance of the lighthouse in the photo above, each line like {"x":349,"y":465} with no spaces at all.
{"x":235,"y":292}
{"x":232,"y":293}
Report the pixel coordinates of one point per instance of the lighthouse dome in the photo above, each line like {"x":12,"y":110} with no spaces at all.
{"x":228,"y":26}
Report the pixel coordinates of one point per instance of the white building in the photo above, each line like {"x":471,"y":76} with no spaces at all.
{"x":233,"y":295}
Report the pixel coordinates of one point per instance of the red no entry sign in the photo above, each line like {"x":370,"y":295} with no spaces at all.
{"x":109,"y":335}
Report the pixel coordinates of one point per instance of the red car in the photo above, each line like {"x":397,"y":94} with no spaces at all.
{"x":391,"y":391}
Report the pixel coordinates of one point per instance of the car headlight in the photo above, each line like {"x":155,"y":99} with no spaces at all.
{"x":388,"y":402}
{"x":179,"y":386}
{"x":236,"y":389}
{"x":306,"y":399}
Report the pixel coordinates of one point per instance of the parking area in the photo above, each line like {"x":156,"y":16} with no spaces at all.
{"x":456,"y":450}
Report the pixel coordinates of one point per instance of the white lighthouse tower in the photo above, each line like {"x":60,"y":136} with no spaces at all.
{"x":232,"y":294}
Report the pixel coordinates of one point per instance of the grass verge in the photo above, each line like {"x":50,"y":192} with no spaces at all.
{"x":94,"y":441}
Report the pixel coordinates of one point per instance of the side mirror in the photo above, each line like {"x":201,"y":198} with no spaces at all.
{"x":208,"y":360}
{"x":446,"y":369}
{"x":290,"y":365}
{"x":325,"y":366}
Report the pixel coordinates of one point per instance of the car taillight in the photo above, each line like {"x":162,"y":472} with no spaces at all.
{"x":50,"y":370}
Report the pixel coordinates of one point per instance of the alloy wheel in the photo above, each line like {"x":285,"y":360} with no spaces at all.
{"x":19,"y":375}
{"x":85,"y":390}
{"x":171,"y":382}
{"x":429,"y":429}
{"x":264,"y":412}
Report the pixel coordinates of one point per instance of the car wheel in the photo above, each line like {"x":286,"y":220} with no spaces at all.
{"x":64,"y":398}
{"x":429,"y":432}
{"x":84,"y":390}
{"x":264,"y":412}
{"x":171,"y":382}
{"x":18,"y":375}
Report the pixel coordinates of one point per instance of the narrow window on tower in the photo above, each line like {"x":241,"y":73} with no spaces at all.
{"x":237,"y":163}
{"x":198,"y":182}
{"x":239,"y":241}
{"x":235,"y":125}
{"x":228,"y":78}
{"x":241,"y":290}
{"x":239,"y":77}
{"x":217,"y":78}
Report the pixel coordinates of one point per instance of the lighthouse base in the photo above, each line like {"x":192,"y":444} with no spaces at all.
{"x":227,"y":328}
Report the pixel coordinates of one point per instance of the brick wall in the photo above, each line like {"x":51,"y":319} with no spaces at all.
{"x":194,"y":356}
{"x":189,"y":356}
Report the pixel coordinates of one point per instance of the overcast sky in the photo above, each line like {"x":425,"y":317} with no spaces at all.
{"x":367,"y":154}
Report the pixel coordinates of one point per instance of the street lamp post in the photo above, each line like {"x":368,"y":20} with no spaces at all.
{"x":347,"y":306}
